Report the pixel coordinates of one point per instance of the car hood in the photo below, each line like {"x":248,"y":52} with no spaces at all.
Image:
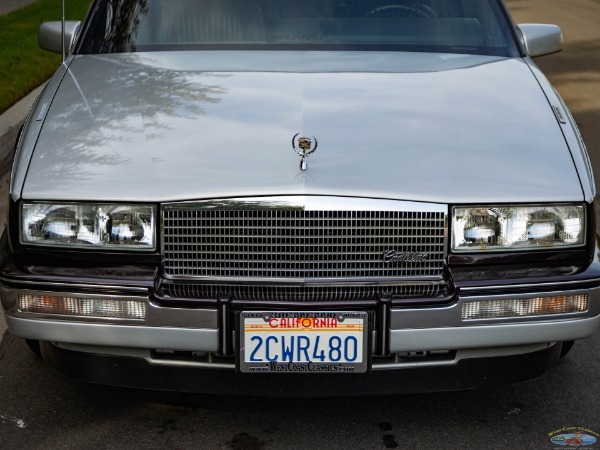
{"x":182,"y":125}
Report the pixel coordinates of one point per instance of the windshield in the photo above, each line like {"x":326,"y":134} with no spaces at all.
{"x":448,"y":26}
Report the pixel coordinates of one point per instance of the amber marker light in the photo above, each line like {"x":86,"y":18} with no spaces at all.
{"x":83,"y":307}
{"x":524,"y":307}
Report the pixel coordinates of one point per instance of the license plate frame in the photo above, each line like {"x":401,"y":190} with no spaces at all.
{"x":319,"y":341}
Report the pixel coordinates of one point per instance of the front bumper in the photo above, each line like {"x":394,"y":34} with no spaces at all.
{"x":410,"y":330}
{"x":406,"y":329}
{"x":422,"y":344}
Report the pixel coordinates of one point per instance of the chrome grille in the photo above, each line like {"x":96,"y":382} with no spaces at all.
{"x":293,"y":244}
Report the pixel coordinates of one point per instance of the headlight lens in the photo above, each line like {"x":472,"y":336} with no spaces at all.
{"x":102,"y":226}
{"x":501,"y":228}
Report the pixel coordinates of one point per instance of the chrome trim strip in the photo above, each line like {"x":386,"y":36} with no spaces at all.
{"x":467,"y":353}
{"x":142,"y":353}
{"x":310,"y":203}
{"x":185,"y":339}
{"x":490,"y":352}
{"x":198,"y":364}
{"x":501,"y":287}
{"x":42,"y":113}
{"x":68,"y":286}
{"x":559,"y":115}
{"x":331,"y":282}
{"x":491,"y":335}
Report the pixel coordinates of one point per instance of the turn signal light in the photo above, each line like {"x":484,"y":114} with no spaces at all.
{"x":523,"y":307}
{"x":84,"y":307}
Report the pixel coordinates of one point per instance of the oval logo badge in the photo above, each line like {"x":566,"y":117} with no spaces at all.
{"x":574,"y":439}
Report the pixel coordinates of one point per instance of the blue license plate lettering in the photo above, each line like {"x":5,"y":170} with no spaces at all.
{"x":258,"y":341}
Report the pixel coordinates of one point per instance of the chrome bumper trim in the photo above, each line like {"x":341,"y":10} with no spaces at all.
{"x":309,"y":203}
{"x":467,"y":353}
{"x":410,"y":339}
{"x":186,"y":339}
{"x":309,"y":282}
{"x":476,"y":353}
{"x":508,"y":287}
{"x":70,"y":286}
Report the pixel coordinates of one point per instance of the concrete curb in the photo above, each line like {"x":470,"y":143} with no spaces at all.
{"x":10,"y":124}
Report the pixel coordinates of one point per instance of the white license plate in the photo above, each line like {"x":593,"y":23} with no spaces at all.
{"x":303,"y":342}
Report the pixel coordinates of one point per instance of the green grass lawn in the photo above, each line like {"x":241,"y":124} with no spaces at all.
{"x":23,"y":65}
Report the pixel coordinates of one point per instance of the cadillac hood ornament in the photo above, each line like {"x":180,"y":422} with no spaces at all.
{"x":304,"y":146}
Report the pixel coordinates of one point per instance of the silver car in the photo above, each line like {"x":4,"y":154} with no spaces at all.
{"x":300,"y":197}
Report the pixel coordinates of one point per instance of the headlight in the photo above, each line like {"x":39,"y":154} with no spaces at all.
{"x":102,"y":226}
{"x":501,"y":228}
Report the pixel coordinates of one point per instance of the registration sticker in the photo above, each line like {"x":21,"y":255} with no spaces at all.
{"x":303,"y":342}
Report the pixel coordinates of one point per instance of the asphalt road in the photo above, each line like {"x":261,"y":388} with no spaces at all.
{"x":41,"y":409}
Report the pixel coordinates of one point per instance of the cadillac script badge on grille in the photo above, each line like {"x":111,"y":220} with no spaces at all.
{"x":396,"y":256}
{"x":304,"y":146}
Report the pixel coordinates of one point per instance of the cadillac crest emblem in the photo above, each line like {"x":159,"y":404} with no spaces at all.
{"x":304,"y":146}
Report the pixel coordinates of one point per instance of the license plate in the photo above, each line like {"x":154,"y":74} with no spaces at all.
{"x":303,"y":342}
